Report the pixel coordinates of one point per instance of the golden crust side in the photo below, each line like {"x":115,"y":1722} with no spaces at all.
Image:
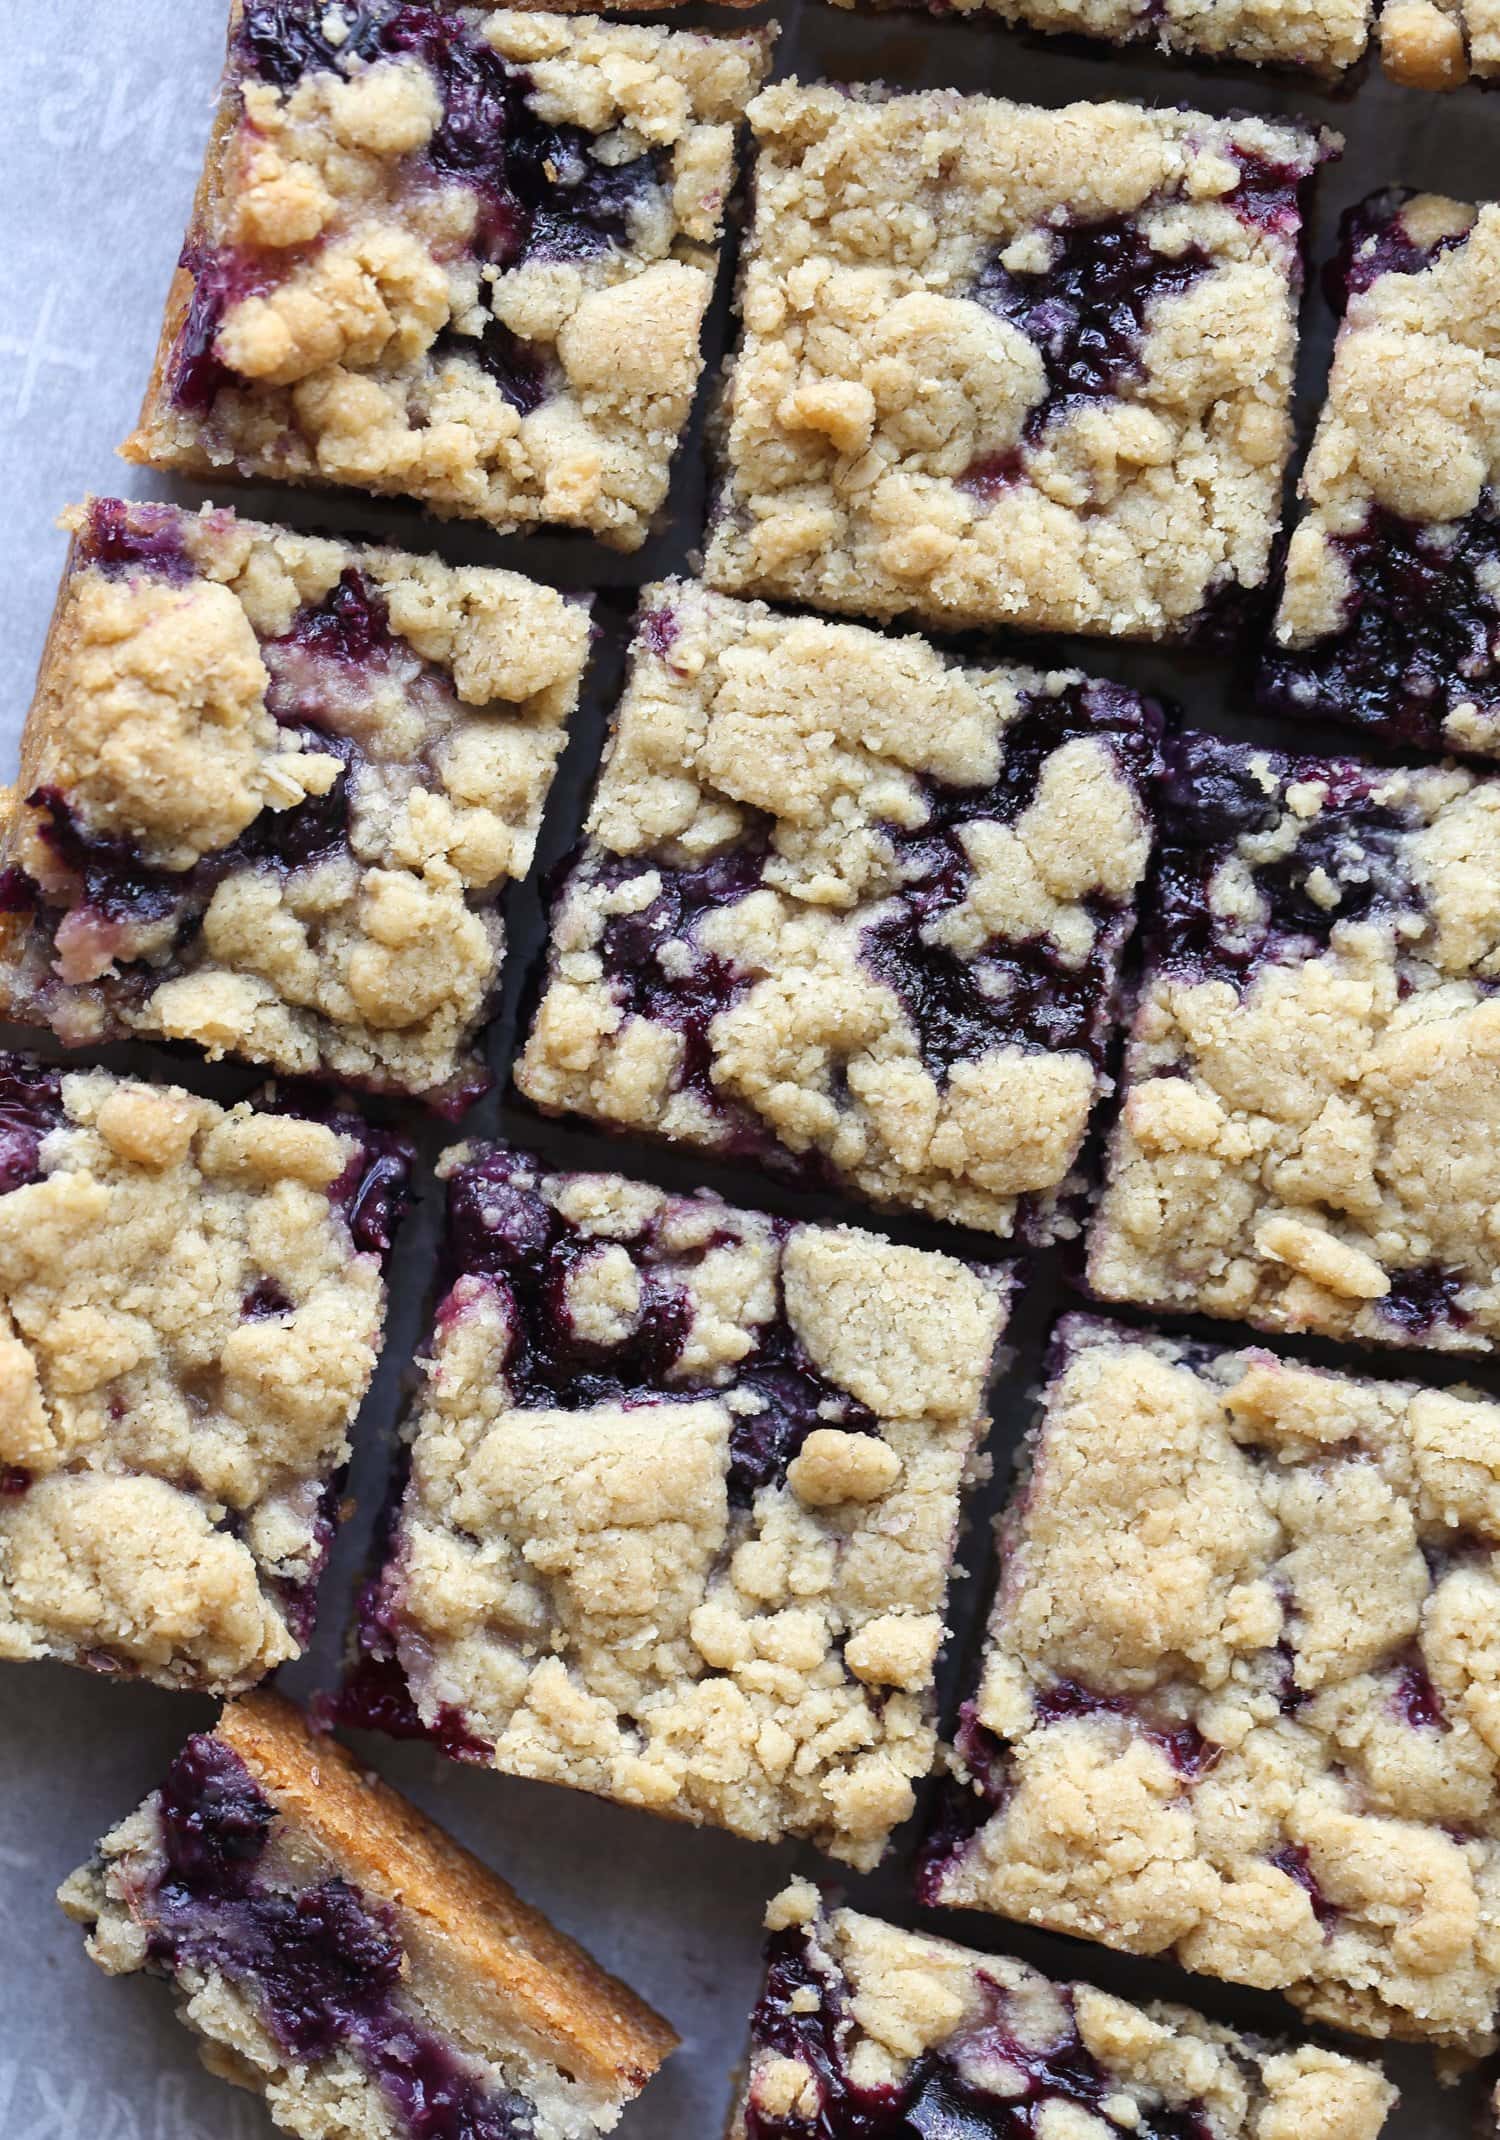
{"x":532,"y":1972}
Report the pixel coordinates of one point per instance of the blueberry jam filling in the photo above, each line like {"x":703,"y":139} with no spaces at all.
{"x":1294,"y":1861}
{"x":514,"y":365}
{"x":804,"y":2014}
{"x":31,"y":1106}
{"x":264,"y":1300}
{"x":1346,"y":865}
{"x":1021,"y":993}
{"x":1417,"y":1700}
{"x":322,"y":1963}
{"x":372,"y":1192}
{"x":1424,"y":1297}
{"x":221,"y":278}
{"x":500,"y":1230}
{"x":1374,"y":240}
{"x":15,"y":1480}
{"x":1421,"y":632}
{"x":350,"y":625}
{"x":631,"y":952}
{"x":1268,"y":194}
{"x":1086,"y":312}
{"x":137,"y":537}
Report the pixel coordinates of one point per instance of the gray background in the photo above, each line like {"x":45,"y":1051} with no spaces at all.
{"x":104,"y":106}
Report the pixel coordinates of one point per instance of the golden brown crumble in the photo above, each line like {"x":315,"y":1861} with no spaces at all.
{"x":373,"y":330}
{"x":999,"y":2026}
{"x":166,"y":1441}
{"x":890,"y":442}
{"x":638,"y":1595}
{"x":187,"y":718}
{"x":1304,"y":1141}
{"x":1241,"y":1695}
{"x":796,"y":764}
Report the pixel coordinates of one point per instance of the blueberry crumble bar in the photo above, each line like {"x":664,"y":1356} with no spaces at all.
{"x":1241,"y":1691}
{"x":683,"y":1498}
{"x":1317,"y":37}
{"x":455,"y":254}
{"x":1437,"y":44}
{"x":1312,"y":1085}
{"x":848,"y":905}
{"x":866,"y":2032}
{"x":1389,"y":617}
{"x":271,"y":789}
{"x":1002,"y":365}
{"x":191,"y":1303}
{"x":343,"y":1958}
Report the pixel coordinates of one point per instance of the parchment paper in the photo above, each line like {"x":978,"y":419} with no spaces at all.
{"x":104,"y":105}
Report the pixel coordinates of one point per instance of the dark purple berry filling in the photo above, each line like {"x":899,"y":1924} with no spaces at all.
{"x":516,"y":367}
{"x":1021,"y":993}
{"x":265,"y":1299}
{"x":31,"y":1106}
{"x":373,"y":1190}
{"x":351,"y":624}
{"x":502,"y":1230}
{"x":323,"y":1963}
{"x":1294,"y":1861}
{"x":1214,"y":799}
{"x":1420,"y":637}
{"x":804,"y":2014}
{"x":15,"y":1480}
{"x":1375,"y":240}
{"x":137,"y":537}
{"x":221,"y":279}
{"x":1417,"y":1700}
{"x":1268,"y":195}
{"x":1424,"y":1297}
{"x":1086,"y":312}
{"x":658,"y":632}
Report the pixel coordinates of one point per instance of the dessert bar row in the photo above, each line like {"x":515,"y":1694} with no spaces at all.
{"x":844,"y":907}
{"x":678,"y":1506}
{"x":997,"y":365}
{"x":338,"y":1954}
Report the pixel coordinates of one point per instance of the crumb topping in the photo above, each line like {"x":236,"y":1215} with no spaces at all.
{"x":1311,"y":1079}
{"x":1320,"y":37}
{"x":1241,"y":1694}
{"x":1390,"y":603}
{"x":460,"y":257}
{"x":190,"y":1309}
{"x":683,"y":1500}
{"x":1438,"y":44}
{"x":845,"y":898}
{"x":858,"y":2017}
{"x":272,"y":788}
{"x":1006,"y":365}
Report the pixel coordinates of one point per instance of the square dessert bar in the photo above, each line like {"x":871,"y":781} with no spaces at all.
{"x":272,"y":787}
{"x":1389,"y":616}
{"x":343,"y":1958}
{"x":863,"y":2029}
{"x":191,"y":1305}
{"x":1437,"y":44}
{"x":1241,"y":1689}
{"x":458,"y":254}
{"x":1311,"y":1120}
{"x":1003,"y":365}
{"x":1317,"y":37}
{"x":848,"y":904}
{"x":682,"y":1504}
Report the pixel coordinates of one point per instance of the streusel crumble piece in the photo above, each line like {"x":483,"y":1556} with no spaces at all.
{"x":1317,"y":37}
{"x":1312,"y":1084}
{"x":1003,"y":365}
{"x":847,"y":903}
{"x":191,"y":1303}
{"x":1241,"y":1692}
{"x":272,"y":787}
{"x":1390,"y":606}
{"x":683,"y":1500}
{"x":865,"y":2030}
{"x":1437,"y":44}
{"x":342,"y":1957}
{"x":458,"y":254}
